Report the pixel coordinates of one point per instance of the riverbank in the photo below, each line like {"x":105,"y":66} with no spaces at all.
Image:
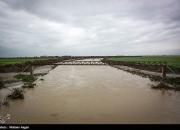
{"x":170,"y":82}
{"x":10,"y":77}
{"x":21,"y":80}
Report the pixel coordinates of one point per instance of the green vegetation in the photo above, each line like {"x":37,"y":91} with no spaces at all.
{"x":7,"y":61}
{"x":26,"y":78}
{"x":172,"y":61}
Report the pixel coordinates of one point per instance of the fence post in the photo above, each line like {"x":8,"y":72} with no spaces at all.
{"x":31,"y":70}
{"x":164,"y":71}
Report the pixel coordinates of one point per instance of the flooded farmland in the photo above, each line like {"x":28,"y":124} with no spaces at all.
{"x":93,"y":94}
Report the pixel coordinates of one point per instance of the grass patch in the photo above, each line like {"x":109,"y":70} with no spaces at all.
{"x":28,"y":79}
{"x":25,"y":78}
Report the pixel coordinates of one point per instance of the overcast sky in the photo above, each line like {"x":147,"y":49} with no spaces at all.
{"x":89,"y":27}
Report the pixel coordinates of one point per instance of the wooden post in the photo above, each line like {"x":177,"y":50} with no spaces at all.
{"x":31,"y":70}
{"x":164,"y":71}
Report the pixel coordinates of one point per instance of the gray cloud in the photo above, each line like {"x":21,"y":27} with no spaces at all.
{"x":89,"y":27}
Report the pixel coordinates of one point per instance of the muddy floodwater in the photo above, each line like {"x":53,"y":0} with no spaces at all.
{"x":94,"y":94}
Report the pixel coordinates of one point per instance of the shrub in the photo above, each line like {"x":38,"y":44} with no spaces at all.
{"x":26,"y":78}
{"x":17,"y":93}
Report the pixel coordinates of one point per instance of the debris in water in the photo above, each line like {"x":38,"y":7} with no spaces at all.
{"x":161,"y":85}
{"x":29,"y":85}
{"x":41,"y":79}
{"x":5,"y":101}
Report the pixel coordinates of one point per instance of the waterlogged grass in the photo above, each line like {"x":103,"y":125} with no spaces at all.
{"x":25,"y":78}
{"x":16,"y":93}
{"x":173,"y":61}
{"x":28,"y":79}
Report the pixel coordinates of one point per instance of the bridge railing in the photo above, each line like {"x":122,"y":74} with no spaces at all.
{"x":81,"y":63}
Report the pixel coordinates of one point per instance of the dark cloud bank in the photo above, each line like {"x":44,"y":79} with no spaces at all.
{"x":89,"y":27}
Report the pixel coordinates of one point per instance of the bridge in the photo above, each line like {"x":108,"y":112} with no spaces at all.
{"x":75,"y":62}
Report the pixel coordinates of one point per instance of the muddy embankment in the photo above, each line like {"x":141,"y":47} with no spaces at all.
{"x":153,"y":72}
{"x":14,"y":79}
{"x":13,"y":85}
{"x":141,"y":65}
{"x":8,"y":72}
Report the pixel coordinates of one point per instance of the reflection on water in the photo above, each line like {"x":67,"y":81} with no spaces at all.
{"x":94,"y":94}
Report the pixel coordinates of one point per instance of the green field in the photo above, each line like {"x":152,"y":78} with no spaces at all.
{"x":6,"y":61}
{"x":172,"y":61}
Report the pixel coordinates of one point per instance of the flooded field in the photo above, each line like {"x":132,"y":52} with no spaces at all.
{"x":93,"y":94}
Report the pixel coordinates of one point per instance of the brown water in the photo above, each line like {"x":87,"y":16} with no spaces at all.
{"x":94,"y":94}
